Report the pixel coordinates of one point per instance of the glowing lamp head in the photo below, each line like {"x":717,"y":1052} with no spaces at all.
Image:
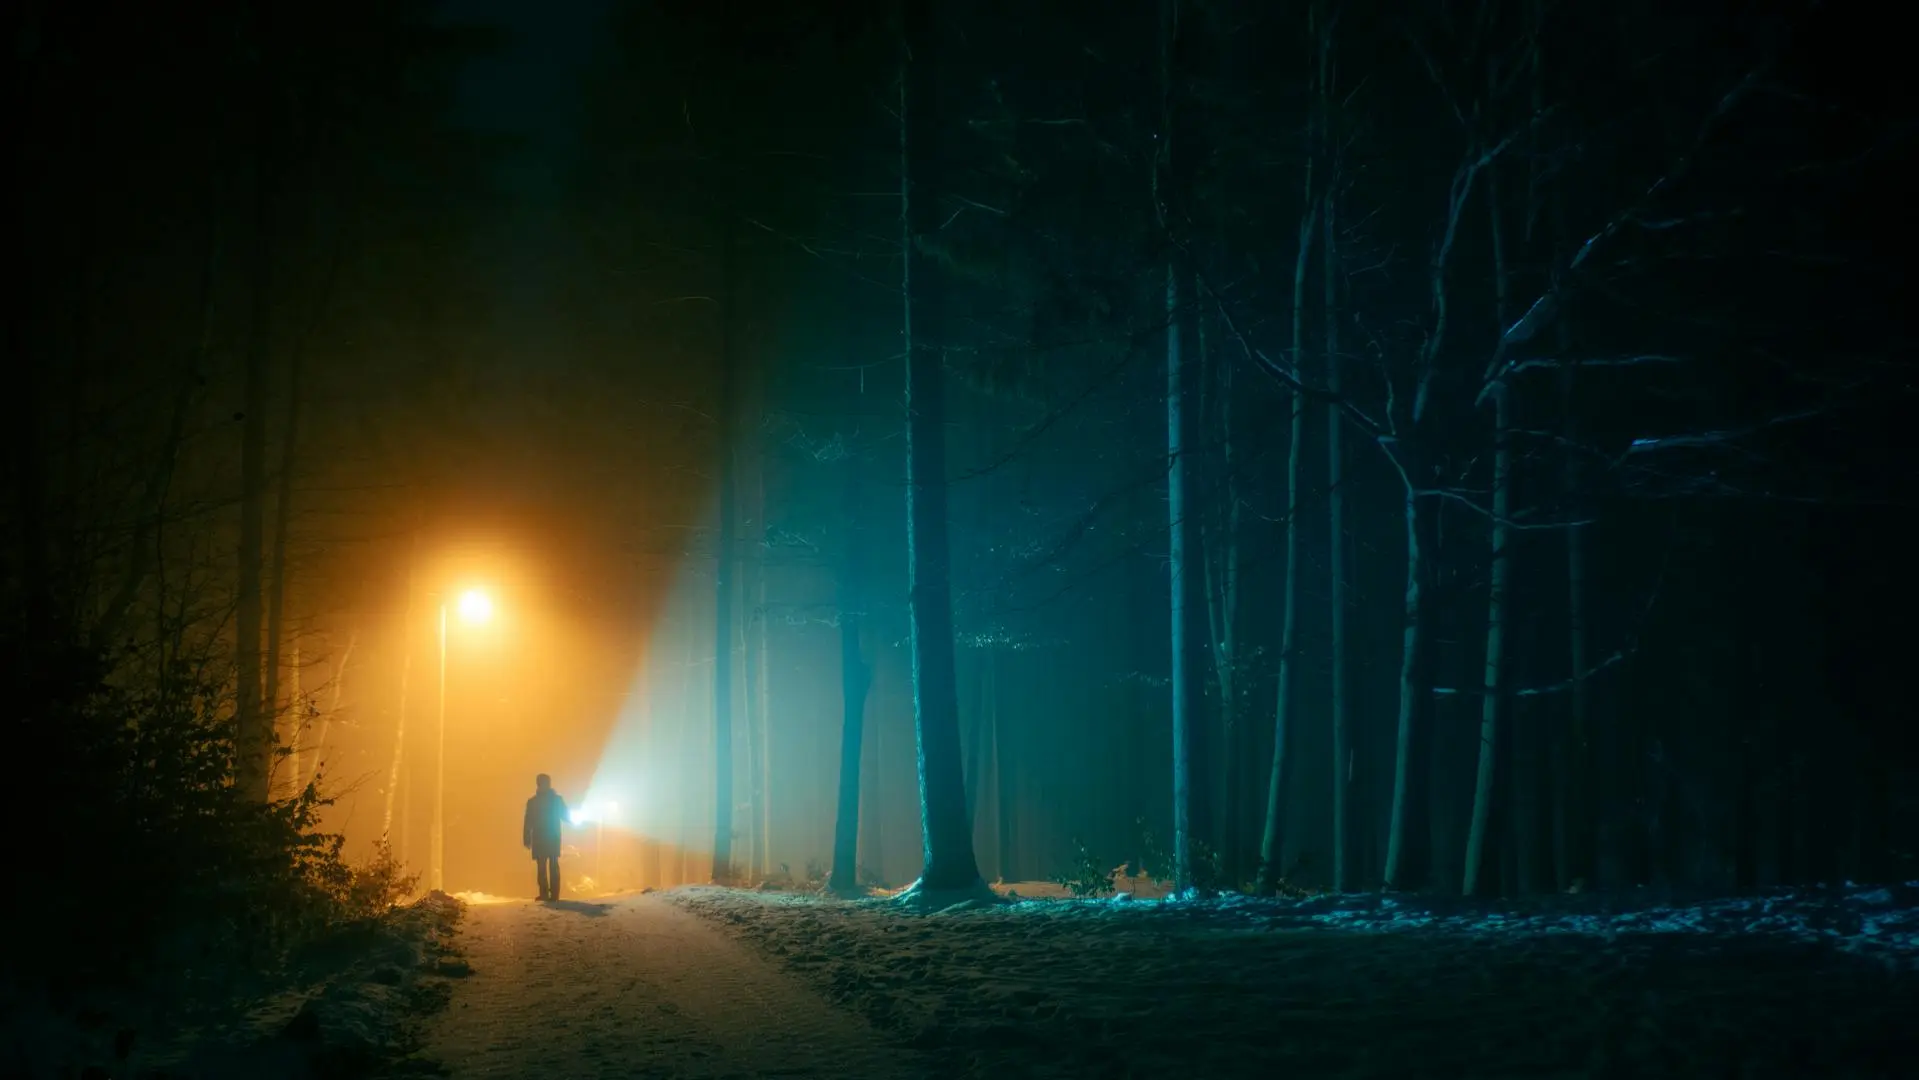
{"x":475,"y":606}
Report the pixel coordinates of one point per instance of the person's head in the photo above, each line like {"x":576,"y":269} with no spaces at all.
{"x":543,"y":782}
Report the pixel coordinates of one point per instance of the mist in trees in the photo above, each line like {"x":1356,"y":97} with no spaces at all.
{"x":1268,"y":448}
{"x":1455,"y":329}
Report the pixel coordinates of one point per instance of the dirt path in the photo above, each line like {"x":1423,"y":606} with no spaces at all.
{"x":637,"y":988}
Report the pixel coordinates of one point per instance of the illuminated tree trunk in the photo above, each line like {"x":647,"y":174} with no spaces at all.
{"x":752,"y":631}
{"x":947,"y":837}
{"x":332,"y":709}
{"x":1168,"y":174}
{"x":406,"y":678}
{"x":759,"y":676}
{"x":726,"y":596}
{"x":296,"y":714}
{"x":996,"y":765}
{"x":855,"y":680}
{"x":749,"y":644}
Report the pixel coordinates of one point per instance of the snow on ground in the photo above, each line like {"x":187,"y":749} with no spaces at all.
{"x":1789,"y":984}
{"x":342,"y":1007}
{"x":635,"y":987}
{"x":1881,"y":923}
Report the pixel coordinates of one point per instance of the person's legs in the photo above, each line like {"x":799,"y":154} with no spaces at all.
{"x":540,"y":865}
{"x":553,"y":892}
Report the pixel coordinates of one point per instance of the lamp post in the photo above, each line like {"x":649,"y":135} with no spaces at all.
{"x":475,"y":607}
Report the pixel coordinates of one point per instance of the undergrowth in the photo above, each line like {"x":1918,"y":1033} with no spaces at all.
{"x":143,"y":857}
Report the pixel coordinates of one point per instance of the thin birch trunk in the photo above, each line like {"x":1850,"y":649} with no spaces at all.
{"x":296,"y":714}
{"x":1493,"y":687}
{"x":726,"y":593}
{"x":1336,"y":568}
{"x":764,"y":778}
{"x":1221,"y":558}
{"x":1168,"y":174}
{"x":855,"y":681}
{"x":1002,"y":776}
{"x":253,"y":718}
{"x":1273,"y":838}
{"x":333,"y":707}
{"x":406,"y":678}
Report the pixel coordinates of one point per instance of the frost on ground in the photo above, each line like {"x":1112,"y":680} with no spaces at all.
{"x":634,"y":987}
{"x":347,"y":1007}
{"x":1791,"y":984}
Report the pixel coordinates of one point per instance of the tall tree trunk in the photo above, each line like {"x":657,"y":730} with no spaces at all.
{"x":855,"y":681}
{"x":1493,"y":687}
{"x":406,"y":677}
{"x":253,"y":720}
{"x":1576,"y":771}
{"x":947,"y":839}
{"x":1404,"y":453}
{"x":1169,"y":173}
{"x":726,"y":593}
{"x":1342,"y":771}
{"x":1002,"y":777}
{"x":1177,"y":464}
{"x":748,"y":647}
{"x":1272,"y":839}
{"x":994,"y":767}
{"x":436,"y":830}
{"x":277,"y":562}
{"x":1412,"y":661}
{"x":1222,"y":605}
{"x":753,"y":632}
{"x":283,"y":496}
{"x":764,"y":778}
{"x":296,"y":714}
{"x":406,"y":817}
{"x":1336,"y":566}
{"x":333,"y":707}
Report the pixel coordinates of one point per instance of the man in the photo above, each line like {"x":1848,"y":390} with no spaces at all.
{"x":545,"y":812}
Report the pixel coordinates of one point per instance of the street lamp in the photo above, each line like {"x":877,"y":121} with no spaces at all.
{"x":475,"y":607}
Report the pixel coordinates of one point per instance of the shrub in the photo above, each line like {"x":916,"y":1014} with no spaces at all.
{"x":142,"y":854}
{"x":1089,"y":875}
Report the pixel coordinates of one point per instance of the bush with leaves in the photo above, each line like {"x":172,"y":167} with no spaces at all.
{"x":1090,"y":875}
{"x":142,"y":855}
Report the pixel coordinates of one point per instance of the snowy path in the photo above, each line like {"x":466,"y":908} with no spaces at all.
{"x":637,"y":988}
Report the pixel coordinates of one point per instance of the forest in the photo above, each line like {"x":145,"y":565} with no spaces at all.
{"x":1282,"y":448}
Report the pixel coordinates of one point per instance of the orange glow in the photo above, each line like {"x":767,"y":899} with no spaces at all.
{"x":476,"y":606}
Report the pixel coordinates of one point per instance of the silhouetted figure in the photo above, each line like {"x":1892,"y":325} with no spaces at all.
{"x":545,"y":813}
